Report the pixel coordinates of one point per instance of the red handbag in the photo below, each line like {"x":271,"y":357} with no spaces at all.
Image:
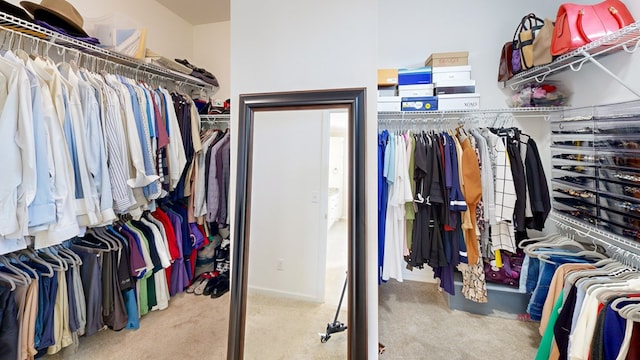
{"x":578,"y":25}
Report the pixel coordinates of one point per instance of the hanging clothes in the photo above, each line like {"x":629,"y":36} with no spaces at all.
{"x":464,"y":195}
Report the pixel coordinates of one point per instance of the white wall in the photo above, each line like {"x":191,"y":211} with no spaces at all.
{"x":410,"y":30}
{"x":291,"y":45}
{"x":287,"y":222}
{"x":212,"y":46}
{"x":591,"y":86}
{"x":167,"y":33}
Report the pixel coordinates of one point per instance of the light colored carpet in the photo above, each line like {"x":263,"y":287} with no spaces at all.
{"x":280,"y":328}
{"x":416,"y":323}
{"x":193,"y":327}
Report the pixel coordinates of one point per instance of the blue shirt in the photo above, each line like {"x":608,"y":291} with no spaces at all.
{"x":42,"y":211}
{"x":152,"y":188}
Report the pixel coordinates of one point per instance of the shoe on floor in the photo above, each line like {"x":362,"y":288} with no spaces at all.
{"x":212,"y":284}
{"x":221,"y":288}
{"x":196,"y":283}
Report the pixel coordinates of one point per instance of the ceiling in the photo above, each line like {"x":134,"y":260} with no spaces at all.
{"x":198,"y":12}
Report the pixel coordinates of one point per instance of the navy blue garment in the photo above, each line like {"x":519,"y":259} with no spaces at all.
{"x":383,"y":137}
{"x":8,"y":325}
{"x":614,"y":328}
{"x":74,"y":322}
{"x":187,"y":246}
{"x":91,"y":276}
{"x":49,"y":302}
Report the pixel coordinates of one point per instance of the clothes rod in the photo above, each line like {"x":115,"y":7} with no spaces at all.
{"x":588,"y":231}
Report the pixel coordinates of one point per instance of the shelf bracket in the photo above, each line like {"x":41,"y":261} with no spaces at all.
{"x":632,"y":49}
{"x":608,"y":72}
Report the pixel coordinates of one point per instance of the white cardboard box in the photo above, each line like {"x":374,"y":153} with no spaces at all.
{"x":415,"y":90}
{"x":451,"y":73}
{"x":385,"y":91}
{"x":459,"y":101}
{"x":389,"y":103}
{"x":455,"y":87}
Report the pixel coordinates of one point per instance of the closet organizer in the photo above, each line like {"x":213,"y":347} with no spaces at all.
{"x":582,"y":278}
{"x":110,"y":187}
{"x":586,"y":293}
{"x":457,"y":192}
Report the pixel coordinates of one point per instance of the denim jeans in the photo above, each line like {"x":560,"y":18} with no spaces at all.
{"x":547,"y":269}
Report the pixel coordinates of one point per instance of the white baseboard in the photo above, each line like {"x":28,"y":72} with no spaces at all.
{"x":282,"y":294}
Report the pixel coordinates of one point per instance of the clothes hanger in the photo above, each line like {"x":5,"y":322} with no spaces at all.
{"x":91,"y":238}
{"x":8,"y":279}
{"x":535,"y":240}
{"x":69,"y":259}
{"x":103,"y":234}
{"x":47,"y":255}
{"x":73,"y":257}
{"x":31,"y":254}
{"x":15,"y":271}
{"x":26,"y":267}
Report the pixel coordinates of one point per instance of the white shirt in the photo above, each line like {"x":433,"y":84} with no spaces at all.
{"x":116,"y":148}
{"x":88,"y":208}
{"x":66,"y":225}
{"x":18,"y":183}
{"x":140,"y":179}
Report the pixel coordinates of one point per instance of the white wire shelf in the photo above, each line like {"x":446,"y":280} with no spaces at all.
{"x":625,"y":39}
{"x":514,"y":110}
{"x":590,"y":231}
{"x":495,"y":115}
{"x":215,"y":117}
{"x":19,"y":27}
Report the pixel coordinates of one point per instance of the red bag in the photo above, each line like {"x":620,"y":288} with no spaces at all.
{"x":578,"y":25}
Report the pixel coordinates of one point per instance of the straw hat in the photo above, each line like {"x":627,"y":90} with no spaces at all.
{"x":59,"y":13}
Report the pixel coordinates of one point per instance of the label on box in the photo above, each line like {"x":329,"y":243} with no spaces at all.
{"x":455,"y":87}
{"x":387,"y":77}
{"x":451,"y":73}
{"x":415,"y":90}
{"x":459,"y":102}
{"x":425,"y":103}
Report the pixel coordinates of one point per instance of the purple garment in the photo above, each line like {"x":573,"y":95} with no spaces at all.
{"x":87,"y":39}
{"x":456,"y":198}
{"x":448,"y":143}
{"x":222,"y":176}
{"x":179,"y":277}
{"x":213,"y":190}
{"x":136,"y":260}
{"x":197,"y":238}
{"x":161,"y":126}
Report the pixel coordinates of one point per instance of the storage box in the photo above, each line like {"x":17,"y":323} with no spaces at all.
{"x":423,"y":103}
{"x":415,"y":90}
{"x":459,"y":101}
{"x":387,"y":91}
{"x":451,"y":73}
{"x":119,"y":33}
{"x":387,"y":77}
{"x":455,"y":87}
{"x":415,"y":76}
{"x":448,"y":59}
{"x":389,"y":103}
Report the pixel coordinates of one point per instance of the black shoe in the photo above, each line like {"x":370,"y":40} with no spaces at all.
{"x":212,"y":284}
{"x":222,"y":287}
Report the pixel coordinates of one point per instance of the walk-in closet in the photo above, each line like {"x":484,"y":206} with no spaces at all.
{"x":194,"y":179}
